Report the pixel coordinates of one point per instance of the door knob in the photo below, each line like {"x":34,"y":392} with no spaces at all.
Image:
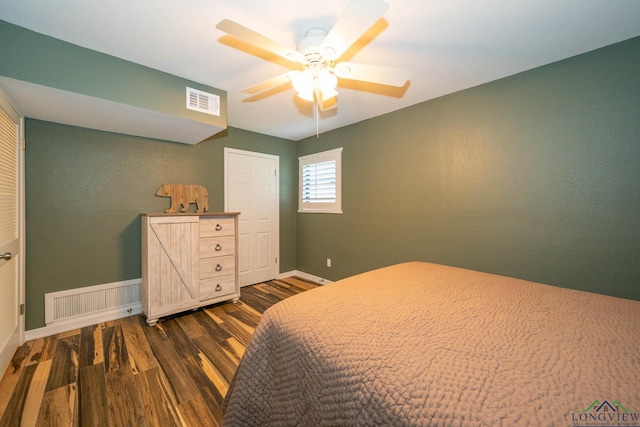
{"x":6,"y":256}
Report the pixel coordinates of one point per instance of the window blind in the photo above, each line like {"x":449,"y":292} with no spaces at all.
{"x":319,"y":182}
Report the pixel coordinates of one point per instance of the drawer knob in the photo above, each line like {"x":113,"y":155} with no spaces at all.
{"x":218,"y":288}
{"x":218,"y":247}
{"x":218,"y":267}
{"x":218,"y":227}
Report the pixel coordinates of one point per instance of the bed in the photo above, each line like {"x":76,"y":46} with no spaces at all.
{"x":422,"y":344}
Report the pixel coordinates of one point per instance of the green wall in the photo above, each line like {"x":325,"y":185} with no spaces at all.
{"x":535,"y":176}
{"x":35,"y":58}
{"x":85,"y":190}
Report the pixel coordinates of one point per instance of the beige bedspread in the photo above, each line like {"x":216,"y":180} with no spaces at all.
{"x":424,"y":344}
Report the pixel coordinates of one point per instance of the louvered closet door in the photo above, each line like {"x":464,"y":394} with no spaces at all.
{"x":9,"y":236}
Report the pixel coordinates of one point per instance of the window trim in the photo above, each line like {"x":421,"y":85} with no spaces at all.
{"x":320,"y":207}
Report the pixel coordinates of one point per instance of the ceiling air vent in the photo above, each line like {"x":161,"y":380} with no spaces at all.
{"x":204,"y":102}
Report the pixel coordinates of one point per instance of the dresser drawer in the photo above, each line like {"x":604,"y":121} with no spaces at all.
{"x":221,"y":226}
{"x":217,"y":287}
{"x":217,"y":266}
{"x":217,"y":246}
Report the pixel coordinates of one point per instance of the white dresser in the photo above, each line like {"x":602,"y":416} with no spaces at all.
{"x":189,"y":260}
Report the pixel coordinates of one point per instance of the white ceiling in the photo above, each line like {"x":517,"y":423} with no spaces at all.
{"x":448,"y":45}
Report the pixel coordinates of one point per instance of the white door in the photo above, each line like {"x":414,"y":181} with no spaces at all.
{"x":11,"y":231}
{"x":251,"y":188}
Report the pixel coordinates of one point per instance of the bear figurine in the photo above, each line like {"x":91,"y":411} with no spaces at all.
{"x":182,"y":195}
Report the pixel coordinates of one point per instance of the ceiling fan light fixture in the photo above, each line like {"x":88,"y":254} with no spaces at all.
{"x":308,"y":82}
{"x":327,"y":83}
{"x":327,"y":80}
{"x":306,"y":95}
{"x":302,"y":81}
{"x":328,"y":94}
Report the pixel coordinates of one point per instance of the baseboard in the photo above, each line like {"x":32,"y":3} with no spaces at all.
{"x":306,"y":276}
{"x":76,"y":308}
{"x":131,"y":310}
{"x":61,"y":327}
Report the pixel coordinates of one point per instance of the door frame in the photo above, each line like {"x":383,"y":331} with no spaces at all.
{"x":8,"y":107}
{"x":276,"y":158}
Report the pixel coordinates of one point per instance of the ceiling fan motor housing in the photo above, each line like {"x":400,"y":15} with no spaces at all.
{"x":311,"y":46}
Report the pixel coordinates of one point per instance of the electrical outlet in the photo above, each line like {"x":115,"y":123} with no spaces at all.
{"x":328,"y":262}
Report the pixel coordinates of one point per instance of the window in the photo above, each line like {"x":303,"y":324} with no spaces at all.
{"x":320,"y":185}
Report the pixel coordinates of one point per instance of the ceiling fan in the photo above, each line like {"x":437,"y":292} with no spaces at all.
{"x":316,"y":60}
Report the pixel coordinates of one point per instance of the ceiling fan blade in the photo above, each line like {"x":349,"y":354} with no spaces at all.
{"x":249,"y":36}
{"x":389,"y":76}
{"x":359,"y":16}
{"x":270,"y":83}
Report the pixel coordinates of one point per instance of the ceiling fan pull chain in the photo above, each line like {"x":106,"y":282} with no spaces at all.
{"x":317,"y":119}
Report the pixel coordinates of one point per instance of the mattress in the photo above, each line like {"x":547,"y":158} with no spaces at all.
{"x":422,"y":344}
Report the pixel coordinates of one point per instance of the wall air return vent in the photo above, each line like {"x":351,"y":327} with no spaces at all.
{"x":204,"y":102}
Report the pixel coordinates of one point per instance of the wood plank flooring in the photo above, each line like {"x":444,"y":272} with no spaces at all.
{"x":125,"y":373}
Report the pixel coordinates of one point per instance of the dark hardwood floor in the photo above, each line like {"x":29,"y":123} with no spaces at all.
{"x":125,"y":373}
